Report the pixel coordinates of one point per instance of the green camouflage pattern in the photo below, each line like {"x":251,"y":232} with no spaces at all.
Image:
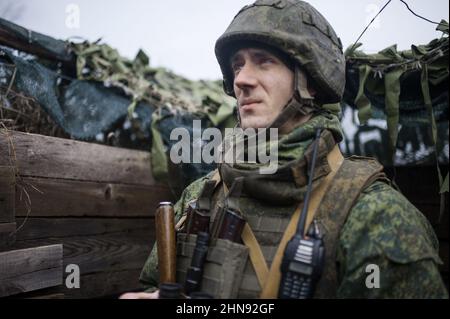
{"x":157,"y":86}
{"x":224,"y":266}
{"x":385,"y":229}
{"x":382,"y":228}
{"x":381,"y":75}
{"x":298,"y":30}
{"x":353,"y":176}
{"x":288,"y":184}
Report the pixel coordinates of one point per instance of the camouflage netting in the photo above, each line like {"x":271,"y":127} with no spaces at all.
{"x":407,"y":89}
{"x":90,"y":110}
{"x":105,"y":98}
{"x":88,"y":91}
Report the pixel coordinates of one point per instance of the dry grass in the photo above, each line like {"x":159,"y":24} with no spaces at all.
{"x":21,"y":113}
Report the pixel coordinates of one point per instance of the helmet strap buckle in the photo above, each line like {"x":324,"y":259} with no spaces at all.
{"x":301,"y":85}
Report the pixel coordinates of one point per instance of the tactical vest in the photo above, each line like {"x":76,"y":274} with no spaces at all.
{"x":229,"y":272}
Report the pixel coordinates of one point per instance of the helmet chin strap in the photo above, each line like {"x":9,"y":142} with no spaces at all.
{"x":238,"y":115}
{"x":301,"y":103}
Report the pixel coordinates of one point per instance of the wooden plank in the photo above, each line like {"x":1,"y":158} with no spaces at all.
{"x":61,"y":229}
{"x":47,"y":296}
{"x":18,"y":37}
{"x":106,"y":284}
{"x":100,"y":285}
{"x":7,"y":235}
{"x":29,"y":282}
{"x":7,"y":227}
{"x":30,"y":269}
{"x":102,"y":245}
{"x":51,"y":157}
{"x":65,"y":198}
{"x":105,"y":248}
{"x":101,"y":253}
{"x":46,"y":293}
{"x":7,"y":194}
{"x":22,"y":261}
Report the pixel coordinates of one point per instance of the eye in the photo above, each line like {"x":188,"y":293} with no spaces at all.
{"x":267,"y":60}
{"x":236,"y":67}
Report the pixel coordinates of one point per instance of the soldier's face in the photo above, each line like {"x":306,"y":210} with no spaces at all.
{"x":263,"y":85}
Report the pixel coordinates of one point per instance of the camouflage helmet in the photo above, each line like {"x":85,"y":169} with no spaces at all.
{"x":296,"y":29}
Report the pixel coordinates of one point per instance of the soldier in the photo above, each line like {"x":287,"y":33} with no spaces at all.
{"x":283,"y":63}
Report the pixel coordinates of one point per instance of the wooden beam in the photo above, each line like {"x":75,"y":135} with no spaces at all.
{"x":7,"y":235}
{"x":7,"y":227}
{"x":51,"y":157}
{"x":69,"y":198}
{"x":7,"y":194}
{"x":46,"y":293}
{"x":110,"y":252}
{"x":106,"y":284}
{"x":104,"y":246}
{"x":30,"y":269}
{"x":66,"y":229}
{"x":22,"y":39}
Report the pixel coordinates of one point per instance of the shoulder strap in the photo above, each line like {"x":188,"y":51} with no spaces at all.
{"x":270,"y":290}
{"x":249,"y":239}
{"x":354,"y":175}
{"x":206,"y":194}
{"x":350,"y":177}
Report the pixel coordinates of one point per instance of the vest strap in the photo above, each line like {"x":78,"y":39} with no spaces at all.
{"x":256,"y":255}
{"x":355,"y":174}
{"x":249,"y":239}
{"x":361,"y":172}
{"x":269,"y":280}
{"x":270,"y":290}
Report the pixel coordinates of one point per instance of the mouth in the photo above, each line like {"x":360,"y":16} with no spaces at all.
{"x":249,"y":104}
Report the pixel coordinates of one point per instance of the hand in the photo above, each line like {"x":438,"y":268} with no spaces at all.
{"x":140,"y":295}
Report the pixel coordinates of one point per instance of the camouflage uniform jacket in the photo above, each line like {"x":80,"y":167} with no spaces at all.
{"x":382,"y":228}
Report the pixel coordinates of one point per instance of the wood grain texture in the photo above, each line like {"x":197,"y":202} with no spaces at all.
{"x":68,"y":198}
{"x":7,"y":194}
{"x":7,"y":235}
{"x":110,"y":252}
{"x":30,"y":269}
{"x":51,"y":157}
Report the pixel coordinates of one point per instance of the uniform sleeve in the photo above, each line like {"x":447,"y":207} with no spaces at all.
{"x":149,"y":274}
{"x":388,"y":249}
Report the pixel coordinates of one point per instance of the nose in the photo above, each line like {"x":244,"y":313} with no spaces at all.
{"x":246,"y":78}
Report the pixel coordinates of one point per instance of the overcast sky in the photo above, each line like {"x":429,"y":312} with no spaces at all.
{"x":180,"y":34}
